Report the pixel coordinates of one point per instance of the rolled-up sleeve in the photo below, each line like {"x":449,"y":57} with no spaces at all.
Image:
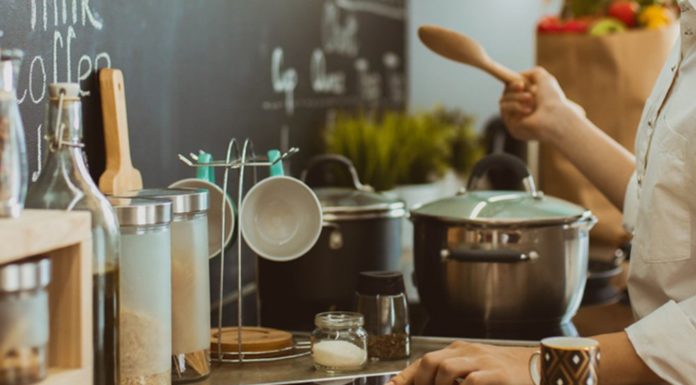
{"x":666,"y":341}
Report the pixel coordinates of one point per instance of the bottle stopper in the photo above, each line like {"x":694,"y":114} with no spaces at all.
{"x":70,"y":91}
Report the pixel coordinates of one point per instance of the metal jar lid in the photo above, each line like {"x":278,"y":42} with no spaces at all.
{"x":28,"y":274}
{"x":142,"y":212}
{"x":184,"y":200}
{"x":338,"y":320}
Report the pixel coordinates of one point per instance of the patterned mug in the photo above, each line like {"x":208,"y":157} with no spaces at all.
{"x":565,"y":361}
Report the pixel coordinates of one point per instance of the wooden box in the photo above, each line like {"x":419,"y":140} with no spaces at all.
{"x":67,"y":239}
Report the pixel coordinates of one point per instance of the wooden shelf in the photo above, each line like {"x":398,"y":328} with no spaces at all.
{"x":66,"y":238}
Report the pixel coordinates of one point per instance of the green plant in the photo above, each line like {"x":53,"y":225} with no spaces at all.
{"x":399,"y":148}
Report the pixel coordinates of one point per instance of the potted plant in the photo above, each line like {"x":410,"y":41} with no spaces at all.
{"x":402,"y":149}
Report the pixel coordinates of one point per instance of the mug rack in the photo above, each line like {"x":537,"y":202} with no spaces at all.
{"x":240,"y":159}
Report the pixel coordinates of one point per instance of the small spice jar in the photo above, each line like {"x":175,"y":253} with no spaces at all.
{"x":190,"y":281}
{"x":382,"y":301}
{"x":339,"y":342}
{"x":145,"y":336}
{"x":24,"y":321}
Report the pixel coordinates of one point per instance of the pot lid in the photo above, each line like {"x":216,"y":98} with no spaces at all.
{"x":502,"y":207}
{"x":346,"y":200}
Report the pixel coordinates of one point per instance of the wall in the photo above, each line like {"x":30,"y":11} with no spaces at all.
{"x":504,"y":27}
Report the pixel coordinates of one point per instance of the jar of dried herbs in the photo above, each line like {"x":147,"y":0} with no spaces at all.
{"x":382,"y":301}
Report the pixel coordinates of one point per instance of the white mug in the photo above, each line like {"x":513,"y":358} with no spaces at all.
{"x":215,"y":212}
{"x":280,"y":217}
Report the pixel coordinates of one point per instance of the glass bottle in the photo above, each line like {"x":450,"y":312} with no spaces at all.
{"x":65,"y":183}
{"x":13,"y":156}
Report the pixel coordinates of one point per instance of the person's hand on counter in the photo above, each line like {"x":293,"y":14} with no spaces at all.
{"x":476,"y":364}
{"x":471,"y":364}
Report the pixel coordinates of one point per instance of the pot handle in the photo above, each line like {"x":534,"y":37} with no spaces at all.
{"x":510,"y":162}
{"x":339,"y":159}
{"x":488,"y":256}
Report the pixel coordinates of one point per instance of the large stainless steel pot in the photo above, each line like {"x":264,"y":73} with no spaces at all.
{"x":362,"y":232}
{"x":501,"y":256}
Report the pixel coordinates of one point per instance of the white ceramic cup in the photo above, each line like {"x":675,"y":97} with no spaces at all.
{"x":215,"y":211}
{"x":280,"y":218}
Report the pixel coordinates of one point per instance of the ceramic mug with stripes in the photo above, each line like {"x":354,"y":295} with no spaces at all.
{"x":565,"y":361}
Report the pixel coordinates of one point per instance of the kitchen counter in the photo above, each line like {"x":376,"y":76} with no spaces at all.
{"x":300,"y":370}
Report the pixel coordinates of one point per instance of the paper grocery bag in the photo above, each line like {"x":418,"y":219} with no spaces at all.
{"x":611,"y":77}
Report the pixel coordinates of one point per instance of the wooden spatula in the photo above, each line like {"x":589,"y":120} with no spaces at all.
{"x":466,"y":50}
{"x":120,"y":175}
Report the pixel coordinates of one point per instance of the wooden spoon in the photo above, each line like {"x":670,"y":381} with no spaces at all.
{"x":120,"y":175}
{"x":466,"y":50}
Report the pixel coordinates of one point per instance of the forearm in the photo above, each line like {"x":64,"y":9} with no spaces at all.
{"x":619,"y":364}
{"x":600,"y":158}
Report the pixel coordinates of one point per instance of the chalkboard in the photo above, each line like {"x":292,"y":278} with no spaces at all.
{"x":200,"y":72}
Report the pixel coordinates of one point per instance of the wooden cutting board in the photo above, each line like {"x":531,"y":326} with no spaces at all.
{"x":120,"y":175}
{"x":254,"y":339}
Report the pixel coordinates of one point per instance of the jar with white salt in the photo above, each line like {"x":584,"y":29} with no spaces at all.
{"x":339,"y":342}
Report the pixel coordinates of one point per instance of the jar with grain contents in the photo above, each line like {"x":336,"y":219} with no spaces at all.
{"x":24,"y":321}
{"x":190,"y":281}
{"x":339,"y":342}
{"x":146,"y":308}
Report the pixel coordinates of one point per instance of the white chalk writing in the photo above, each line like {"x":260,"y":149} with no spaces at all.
{"x":284,"y":81}
{"x":339,"y":37}
{"x":60,"y":19}
{"x":322,"y":81}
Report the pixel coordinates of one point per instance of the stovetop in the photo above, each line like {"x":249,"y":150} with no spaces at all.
{"x":511,"y":331}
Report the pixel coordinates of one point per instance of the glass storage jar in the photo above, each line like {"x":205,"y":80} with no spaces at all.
{"x":146,"y":309}
{"x":190,"y":281}
{"x":381,"y":299}
{"x":24,"y":321}
{"x":339,"y":342}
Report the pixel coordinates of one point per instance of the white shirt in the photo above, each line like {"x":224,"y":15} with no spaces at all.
{"x":661,"y":201}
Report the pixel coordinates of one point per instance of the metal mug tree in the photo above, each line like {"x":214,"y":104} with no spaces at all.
{"x":236,"y":159}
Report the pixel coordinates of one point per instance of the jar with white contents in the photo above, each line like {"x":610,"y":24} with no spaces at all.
{"x":190,"y":281}
{"x":146,"y":308}
{"x":339,"y":342}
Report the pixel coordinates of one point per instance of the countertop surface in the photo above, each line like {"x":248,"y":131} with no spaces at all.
{"x":300,"y":370}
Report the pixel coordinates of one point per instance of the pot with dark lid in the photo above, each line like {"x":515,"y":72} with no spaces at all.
{"x":362,"y":232}
{"x":501,"y":256}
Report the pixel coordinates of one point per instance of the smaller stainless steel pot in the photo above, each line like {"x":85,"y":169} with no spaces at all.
{"x":501,"y":256}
